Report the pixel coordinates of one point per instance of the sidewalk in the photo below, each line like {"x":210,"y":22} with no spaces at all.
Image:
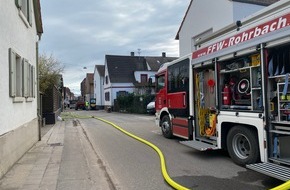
{"x":63,"y":159}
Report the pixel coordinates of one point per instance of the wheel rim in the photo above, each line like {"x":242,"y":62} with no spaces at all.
{"x":165,"y":127}
{"x":241,"y":146}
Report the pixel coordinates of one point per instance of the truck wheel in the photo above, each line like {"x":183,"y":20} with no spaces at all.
{"x":243,"y":146}
{"x":166,"y":127}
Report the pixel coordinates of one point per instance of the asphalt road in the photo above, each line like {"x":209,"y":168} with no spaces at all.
{"x":135,"y":165}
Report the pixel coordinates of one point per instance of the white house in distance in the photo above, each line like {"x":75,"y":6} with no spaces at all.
{"x":128,"y":74}
{"x":20,"y":30}
{"x":99,"y":73}
{"x":203,"y":17}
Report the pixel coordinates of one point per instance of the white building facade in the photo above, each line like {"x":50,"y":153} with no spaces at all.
{"x":19,"y":128}
{"x":99,"y":86}
{"x":111,"y":89}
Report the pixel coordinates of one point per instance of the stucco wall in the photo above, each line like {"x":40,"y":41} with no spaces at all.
{"x":15,"y":34}
{"x":149,"y":74}
{"x":15,"y":143}
{"x":116,"y":87}
{"x":98,"y":88}
{"x":18,"y":121}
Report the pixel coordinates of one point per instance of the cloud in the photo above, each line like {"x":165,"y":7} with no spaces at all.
{"x":81,"y":33}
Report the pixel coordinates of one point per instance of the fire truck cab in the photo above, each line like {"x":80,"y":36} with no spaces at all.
{"x":233,"y":93}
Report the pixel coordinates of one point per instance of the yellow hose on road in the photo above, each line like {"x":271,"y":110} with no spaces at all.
{"x":284,"y":186}
{"x":162,"y":159}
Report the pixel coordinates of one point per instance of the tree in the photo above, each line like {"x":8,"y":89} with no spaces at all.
{"x":50,"y":70}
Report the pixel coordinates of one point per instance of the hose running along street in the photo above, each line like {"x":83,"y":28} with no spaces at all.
{"x":284,"y":186}
{"x":162,"y":159}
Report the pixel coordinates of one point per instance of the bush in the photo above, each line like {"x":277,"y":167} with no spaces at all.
{"x":132,"y":103}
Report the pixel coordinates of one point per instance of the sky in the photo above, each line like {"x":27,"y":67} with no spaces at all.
{"x":80,"y":33}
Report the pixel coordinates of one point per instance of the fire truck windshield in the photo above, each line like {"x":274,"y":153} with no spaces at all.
{"x":160,"y":83}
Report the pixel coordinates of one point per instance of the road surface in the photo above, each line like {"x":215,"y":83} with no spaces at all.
{"x":134,"y":165}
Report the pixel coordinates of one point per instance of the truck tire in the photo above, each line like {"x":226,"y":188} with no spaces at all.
{"x":166,"y":127}
{"x":243,"y":145}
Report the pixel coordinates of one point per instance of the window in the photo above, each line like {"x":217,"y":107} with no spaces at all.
{"x":160,"y":83}
{"x":28,"y":79}
{"x":21,"y":77}
{"x":107,"y":96}
{"x":15,"y":74}
{"x":144,"y":78}
{"x":25,"y":10}
{"x":122,"y":93}
{"x":178,"y":76}
{"x":107,"y":80}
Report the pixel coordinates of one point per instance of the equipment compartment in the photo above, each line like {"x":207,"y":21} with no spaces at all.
{"x":278,"y":64}
{"x":240,"y":82}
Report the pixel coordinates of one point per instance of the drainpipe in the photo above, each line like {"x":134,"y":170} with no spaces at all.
{"x":39,"y":114}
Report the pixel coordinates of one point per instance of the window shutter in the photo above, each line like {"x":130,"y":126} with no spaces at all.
{"x":30,"y":18}
{"x":19,"y":76}
{"x":33,"y":82}
{"x":12,"y":73}
{"x":30,"y":13}
{"x":25,"y":76}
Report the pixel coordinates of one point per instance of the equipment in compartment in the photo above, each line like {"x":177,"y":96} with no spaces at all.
{"x":255,"y":59}
{"x":239,"y":63}
{"x":237,"y":91}
{"x":238,"y":77}
{"x":227,"y":95}
{"x":211,"y":128}
{"x":206,"y":113}
{"x":278,"y":61}
{"x":283,"y":97}
{"x":241,"y":93}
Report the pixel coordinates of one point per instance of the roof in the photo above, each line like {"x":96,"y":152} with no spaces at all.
{"x":121,"y":68}
{"x":38,"y":19}
{"x":155,"y":62}
{"x":256,"y":2}
{"x":101,"y":70}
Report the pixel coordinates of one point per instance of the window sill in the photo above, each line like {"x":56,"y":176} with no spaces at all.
{"x":29,"y":99}
{"x":23,"y":18}
{"x":18,"y":99}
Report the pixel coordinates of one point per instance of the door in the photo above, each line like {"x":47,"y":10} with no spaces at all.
{"x":161,"y":91}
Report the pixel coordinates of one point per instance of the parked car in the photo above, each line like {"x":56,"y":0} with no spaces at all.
{"x":151,"y":107}
{"x":80,"y":105}
{"x":72,"y":104}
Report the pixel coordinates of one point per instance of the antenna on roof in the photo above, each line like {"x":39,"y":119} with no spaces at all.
{"x":139,"y":52}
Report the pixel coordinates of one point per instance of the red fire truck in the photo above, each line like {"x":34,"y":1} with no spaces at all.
{"x":233,"y":93}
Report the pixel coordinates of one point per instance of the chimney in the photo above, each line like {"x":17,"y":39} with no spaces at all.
{"x":132,"y":53}
{"x":163,"y":54}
